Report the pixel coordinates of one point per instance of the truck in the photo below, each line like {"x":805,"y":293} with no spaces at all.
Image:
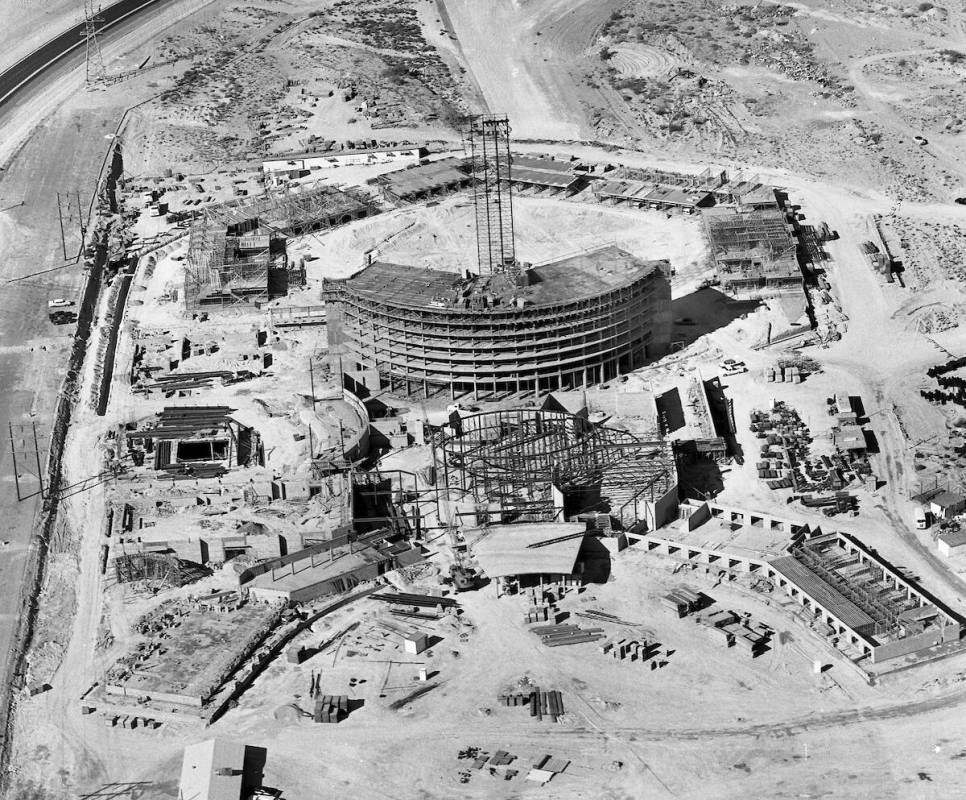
{"x":922,"y":519}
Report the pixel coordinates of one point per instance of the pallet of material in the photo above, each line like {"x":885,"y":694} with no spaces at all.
{"x":558,"y":635}
{"x":331,"y":708}
{"x":546,"y":704}
{"x":720,"y":635}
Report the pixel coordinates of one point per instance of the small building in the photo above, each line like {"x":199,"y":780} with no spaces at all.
{"x":849,"y":438}
{"x":947,"y":505}
{"x":300,"y":163}
{"x":530,"y":553}
{"x":322,"y":570}
{"x":951,"y":543}
{"x":844,"y":412}
{"x":213,"y":770}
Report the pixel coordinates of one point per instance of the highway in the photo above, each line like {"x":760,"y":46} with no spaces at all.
{"x":20,"y":76}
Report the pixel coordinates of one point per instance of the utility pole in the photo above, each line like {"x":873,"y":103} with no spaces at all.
{"x":312,"y":379}
{"x":16,"y":469}
{"x":60,"y":217}
{"x":40,"y":473}
{"x":80,"y":223}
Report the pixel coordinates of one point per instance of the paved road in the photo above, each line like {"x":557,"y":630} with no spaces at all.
{"x":18,"y":77}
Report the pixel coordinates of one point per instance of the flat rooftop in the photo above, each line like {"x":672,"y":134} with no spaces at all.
{"x":542,"y":171}
{"x":212,"y":770}
{"x":644,"y":192}
{"x":425,"y":177}
{"x":317,"y":568}
{"x":506,"y":549}
{"x":573,"y":278}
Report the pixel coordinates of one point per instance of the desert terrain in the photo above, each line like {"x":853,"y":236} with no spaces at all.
{"x":851,"y":111}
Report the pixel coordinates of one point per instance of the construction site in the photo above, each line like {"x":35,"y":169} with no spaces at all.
{"x":424,"y":436}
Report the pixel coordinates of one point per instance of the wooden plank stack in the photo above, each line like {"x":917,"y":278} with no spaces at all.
{"x":542,"y":704}
{"x":557,"y":635}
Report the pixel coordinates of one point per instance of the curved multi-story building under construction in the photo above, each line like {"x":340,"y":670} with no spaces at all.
{"x":511,"y":328}
{"x":575,"y":322}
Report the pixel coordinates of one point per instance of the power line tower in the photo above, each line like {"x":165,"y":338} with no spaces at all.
{"x":95,"y":61}
{"x":489,"y":144}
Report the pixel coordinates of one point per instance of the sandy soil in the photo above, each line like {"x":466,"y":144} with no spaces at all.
{"x":442,"y":237}
{"x":523,"y":72}
{"x":709,"y":724}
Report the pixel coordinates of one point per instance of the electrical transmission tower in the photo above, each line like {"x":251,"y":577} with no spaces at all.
{"x":95,"y":61}
{"x":489,"y":141}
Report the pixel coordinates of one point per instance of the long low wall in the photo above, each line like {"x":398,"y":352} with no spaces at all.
{"x":118,"y":690}
{"x":722,"y":562}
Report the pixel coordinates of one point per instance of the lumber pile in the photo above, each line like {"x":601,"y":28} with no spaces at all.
{"x":558,"y":635}
{"x":415,"y":600}
{"x":541,"y":704}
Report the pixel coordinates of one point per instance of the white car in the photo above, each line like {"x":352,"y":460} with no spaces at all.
{"x":59,"y":302}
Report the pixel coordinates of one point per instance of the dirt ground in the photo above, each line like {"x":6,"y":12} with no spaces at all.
{"x":831,"y":119}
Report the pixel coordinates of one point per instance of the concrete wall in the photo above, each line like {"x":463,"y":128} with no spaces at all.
{"x":663,"y":510}
{"x":692,"y":517}
{"x":358,"y":446}
{"x":910,"y":644}
{"x":158,"y":697}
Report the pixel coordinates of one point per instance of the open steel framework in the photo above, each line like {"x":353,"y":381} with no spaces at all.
{"x":514,"y":458}
{"x":489,"y":140}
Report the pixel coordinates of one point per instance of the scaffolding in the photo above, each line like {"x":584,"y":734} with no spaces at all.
{"x":489,"y":144}
{"x":161,"y":569}
{"x":236,"y":250}
{"x":706,"y":181}
{"x":752,"y":248}
{"x":517,"y":458}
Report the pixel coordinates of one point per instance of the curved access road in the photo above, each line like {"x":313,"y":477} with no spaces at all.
{"x":21,"y":74}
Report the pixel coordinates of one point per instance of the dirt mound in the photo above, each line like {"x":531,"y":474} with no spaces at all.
{"x":643,"y":61}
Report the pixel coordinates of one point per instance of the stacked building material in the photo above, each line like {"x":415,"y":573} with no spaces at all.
{"x":557,"y":635}
{"x":681,"y":601}
{"x":629,"y":650}
{"x":416,"y":600}
{"x":331,"y":708}
{"x":541,"y":703}
{"x":538,"y":614}
{"x":169,"y":384}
